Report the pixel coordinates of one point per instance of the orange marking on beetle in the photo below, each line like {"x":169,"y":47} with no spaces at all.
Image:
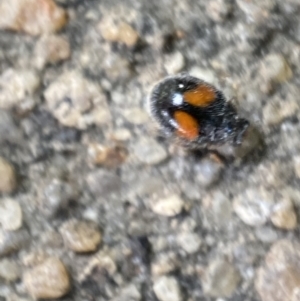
{"x":188,"y":126}
{"x":202,"y":96}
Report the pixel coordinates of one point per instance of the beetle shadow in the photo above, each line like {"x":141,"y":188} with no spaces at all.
{"x":252,"y":150}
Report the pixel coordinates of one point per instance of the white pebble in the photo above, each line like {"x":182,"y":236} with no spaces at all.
{"x":167,"y":289}
{"x":168,"y":206}
{"x":189,"y":242}
{"x":174,"y":63}
{"x":15,"y":85}
{"x":10,"y":214}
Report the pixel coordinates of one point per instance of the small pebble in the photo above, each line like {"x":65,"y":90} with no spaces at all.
{"x":121,"y":135}
{"x":208,"y":171}
{"x":191,"y":190}
{"x":164,"y":263}
{"x":51,"y":49}
{"x":13,"y":241}
{"x":8,"y":181}
{"x":48,"y":280}
{"x":129,"y":292}
{"x":118,"y":32}
{"x":81,"y":236}
{"x":270,"y":173}
{"x":116,"y":67}
{"x":279,"y":278}
{"x":144,"y":186}
{"x":166,"y":288}
{"x":26,"y":106}
{"x":275,"y":111}
{"x":127,"y":35}
{"x":248,"y":253}
{"x":254,"y":206}
{"x":167,"y":206}
{"x":266,"y":234}
{"x":256,"y":10}
{"x":218,"y":208}
{"x":77,"y":102}
{"x":106,"y":156}
{"x":174,"y":63}
{"x":9,"y":131}
{"x":108,"y":29}
{"x":91,"y":214}
{"x":10,"y":215}
{"x":9,"y":270}
{"x":149,"y":152}
{"x":189,"y":242}
{"x":220,"y":279}
{"x":297,"y":166}
{"x":52,"y":239}
{"x":218,"y":10}
{"x":16,"y":85}
{"x":34,"y":17}
{"x":102,"y":261}
{"x":284,"y":215}
{"x":275,"y":69}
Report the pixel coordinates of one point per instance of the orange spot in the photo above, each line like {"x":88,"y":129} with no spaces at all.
{"x":202,"y":96}
{"x":187,"y":125}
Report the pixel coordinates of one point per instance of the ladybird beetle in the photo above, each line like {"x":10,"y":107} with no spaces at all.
{"x":195,"y":112}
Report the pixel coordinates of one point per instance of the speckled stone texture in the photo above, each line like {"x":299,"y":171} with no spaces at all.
{"x":95,"y":203}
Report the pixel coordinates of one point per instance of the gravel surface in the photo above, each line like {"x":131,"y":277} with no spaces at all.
{"x":95,"y":204}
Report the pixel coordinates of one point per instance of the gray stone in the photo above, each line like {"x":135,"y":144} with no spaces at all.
{"x":274,"y":68}
{"x":166,"y":288}
{"x":297,"y":166}
{"x":51,"y":49}
{"x":9,"y":270}
{"x":130,"y":292}
{"x":9,"y":131}
{"x":220,"y":279}
{"x":77,"y":102}
{"x":208,"y":171}
{"x":164,"y":263}
{"x":10,"y":214}
{"x":256,"y":10}
{"x":189,"y":242}
{"x":81,"y":236}
{"x":13,"y":241}
{"x":174,"y":63}
{"x":254,"y":206}
{"x":103,"y":183}
{"x":150,"y":152}
{"x":116,"y":31}
{"x":284,"y":215}
{"x":279,"y":278}
{"x":275,"y":111}
{"x":15,"y":85}
{"x":218,"y":208}
{"x":47,"y":280}
{"x":266,"y":234}
{"x":168,"y":206}
{"x":218,"y":10}
{"x":8,"y":180}
{"x":34,"y":17}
